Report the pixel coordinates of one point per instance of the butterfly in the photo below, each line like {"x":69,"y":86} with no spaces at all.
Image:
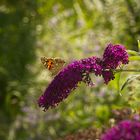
{"x":54,"y":65}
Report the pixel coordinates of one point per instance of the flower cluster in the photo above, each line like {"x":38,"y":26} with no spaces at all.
{"x":125,"y":130}
{"x":69,"y":77}
{"x":67,"y":80}
{"x":113,"y":56}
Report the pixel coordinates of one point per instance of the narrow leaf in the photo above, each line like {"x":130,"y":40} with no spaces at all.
{"x":128,"y":81}
{"x":134,"y":58}
{"x":131,"y":52}
{"x":139,"y":45}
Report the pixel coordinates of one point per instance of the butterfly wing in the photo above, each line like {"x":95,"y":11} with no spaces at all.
{"x":54,"y":65}
{"x":58,"y":65}
{"x":47,"y":62}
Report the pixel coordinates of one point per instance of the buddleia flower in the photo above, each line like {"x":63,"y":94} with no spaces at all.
{"x":79,"y":71}
{"x":67,"y":80}
{"x":125,"y":130}
{"x":113,"y":56}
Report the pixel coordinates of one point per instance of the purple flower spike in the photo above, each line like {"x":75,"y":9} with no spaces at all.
{"x":67,"y":80}
{"x":79,"y":71}
{"x":113,"y":56}
{"x":125,"y":130}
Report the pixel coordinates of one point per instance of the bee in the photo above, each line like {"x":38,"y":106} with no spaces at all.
{"x":54,"y":65}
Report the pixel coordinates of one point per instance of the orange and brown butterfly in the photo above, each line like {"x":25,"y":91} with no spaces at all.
{"x":54,"y":65}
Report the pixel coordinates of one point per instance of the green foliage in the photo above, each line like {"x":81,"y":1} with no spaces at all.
{"x":70,"y":30}
{"x":138,"y":45}
{"x":130,"y":79}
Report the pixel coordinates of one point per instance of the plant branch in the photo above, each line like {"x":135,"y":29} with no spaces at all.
{"x":126,"y":70}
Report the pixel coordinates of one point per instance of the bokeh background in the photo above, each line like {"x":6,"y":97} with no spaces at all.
{"x":69,"y":29}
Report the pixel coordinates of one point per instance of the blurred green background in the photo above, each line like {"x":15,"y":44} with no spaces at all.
{"x":69,"y":29}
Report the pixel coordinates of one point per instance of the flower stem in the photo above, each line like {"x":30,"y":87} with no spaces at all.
{"x":122,"y":70}
{"x":126,"y":70}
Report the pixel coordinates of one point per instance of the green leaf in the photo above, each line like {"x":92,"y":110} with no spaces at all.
{"x":139,"y":45}
{"x":134,"y":58}
{"x":129,"y":79}
{"x":131,"y":52}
